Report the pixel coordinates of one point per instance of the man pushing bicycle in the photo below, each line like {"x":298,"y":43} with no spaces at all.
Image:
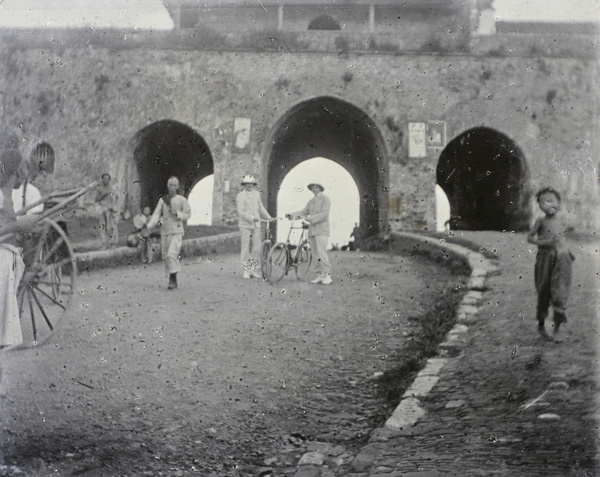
{"x":316,"y":213}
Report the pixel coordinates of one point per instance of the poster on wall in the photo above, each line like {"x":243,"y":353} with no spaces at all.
{"x":417,"y":140}
{"x":241,"y":135}
{"x":436,"y":133}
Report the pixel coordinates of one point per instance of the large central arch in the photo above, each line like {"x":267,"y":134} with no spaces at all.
{"x":332,"y":128}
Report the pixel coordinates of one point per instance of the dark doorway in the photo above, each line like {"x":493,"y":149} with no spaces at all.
{"x":332,"y":128}
{"x":485,"y":177}
{"x":165,"y":149}
{"x":324,"y":22}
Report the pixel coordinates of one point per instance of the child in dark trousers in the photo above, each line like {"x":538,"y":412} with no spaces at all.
{"x":553,"y":263}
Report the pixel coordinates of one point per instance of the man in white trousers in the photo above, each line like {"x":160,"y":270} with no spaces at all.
{"x":250,"y":210}
{"x":172,"y":211}
{"x":316,"y":213}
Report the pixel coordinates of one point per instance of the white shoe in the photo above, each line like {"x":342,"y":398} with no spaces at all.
{"x":319,"y":279}
{"x":246,"y":274}
{"x":327,"y":280}
{"x":256,"y":274}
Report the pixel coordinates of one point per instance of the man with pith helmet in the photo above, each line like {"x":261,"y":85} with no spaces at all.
{"x":316,"y":213}
{"x":250,"y":210}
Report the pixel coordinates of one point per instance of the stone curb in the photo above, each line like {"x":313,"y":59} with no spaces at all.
{"x":120,"y":256}
{"x":409,"y":411}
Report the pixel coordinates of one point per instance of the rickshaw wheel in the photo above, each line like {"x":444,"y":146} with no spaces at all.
{"x":48,"y":283}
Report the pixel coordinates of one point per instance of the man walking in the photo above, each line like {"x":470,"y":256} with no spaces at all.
{"x":171,"y":212}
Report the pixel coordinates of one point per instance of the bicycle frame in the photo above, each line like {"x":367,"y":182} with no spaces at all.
{"x":284,"y":256}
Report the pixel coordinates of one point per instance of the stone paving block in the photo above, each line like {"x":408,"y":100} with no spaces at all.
{"x":479,"y":271}
{"x":312,"y":458}
{"x":421,"y":386}
{"x":452,"y":350}
{"x":467,"y":309}
{"x":459,"y":329}
{"x":433,"y":366}
{"x":451,"y":340}
{"x":472,"y":297}
{"x":454,"y":404}
{"x":308,"y":471}
{"x":477,"y":283}
{"x":406,"y":414}
{"x":365,"y":459}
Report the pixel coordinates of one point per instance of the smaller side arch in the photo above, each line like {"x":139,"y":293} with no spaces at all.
{"x":485,"y":177}
{"x":324,"y":22}
{"x":160,"y":150}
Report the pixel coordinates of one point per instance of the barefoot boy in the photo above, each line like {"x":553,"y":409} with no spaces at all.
{"x":553,"y":262}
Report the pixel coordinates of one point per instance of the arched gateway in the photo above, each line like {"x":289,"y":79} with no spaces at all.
{"x":163,"y":149}
{"x":332,"y":128}
{"x":485,"y":176}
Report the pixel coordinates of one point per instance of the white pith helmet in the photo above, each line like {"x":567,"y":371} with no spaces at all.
{"x":248,"y":179}
{"x":315,"y":183}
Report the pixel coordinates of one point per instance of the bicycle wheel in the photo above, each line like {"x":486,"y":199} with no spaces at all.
{"x":302,"y":260}
{"x":264,"y":258}
{"x":277,"y":262}
{"x":48,"y":283}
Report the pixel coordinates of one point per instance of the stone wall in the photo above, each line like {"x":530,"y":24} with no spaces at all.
{"x":89,"y":102}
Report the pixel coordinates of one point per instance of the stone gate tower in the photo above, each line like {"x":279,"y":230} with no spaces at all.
{"x":406,"y":96}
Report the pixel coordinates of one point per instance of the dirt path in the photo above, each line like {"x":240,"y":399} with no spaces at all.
{"x":222,"y":377}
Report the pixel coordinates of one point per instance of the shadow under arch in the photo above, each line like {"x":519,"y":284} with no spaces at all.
{"x":163,"y":149}
{"x":332,"y":128}
{"x":485,"y":177}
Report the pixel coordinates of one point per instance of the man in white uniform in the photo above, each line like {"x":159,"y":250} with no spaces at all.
{"x":250,"y":210}
{"x":171,"y":212}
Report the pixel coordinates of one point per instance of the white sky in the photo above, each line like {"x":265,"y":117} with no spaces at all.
{"x":548,"y":10}
{"x":201,"y":201}
{"x":293,"y":195}
{"x":339,"y":187}
{"x":152,"y":14}
{"x":95,"y":14}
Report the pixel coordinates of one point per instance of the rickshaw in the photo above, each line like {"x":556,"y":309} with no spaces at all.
{"x":48,"y":283}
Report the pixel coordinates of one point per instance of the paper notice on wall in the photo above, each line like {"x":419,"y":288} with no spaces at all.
{"x":436,"y":133}
{"x":241,"y":135}
{"x":417,"y":140}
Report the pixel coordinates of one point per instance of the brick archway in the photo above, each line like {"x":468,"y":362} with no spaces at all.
{"x":486,"y":180}
{"x":164,"y":149}
{"x":332,"y":128}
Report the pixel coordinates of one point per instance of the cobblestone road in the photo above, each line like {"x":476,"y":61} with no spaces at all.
{"x":509,"y":404}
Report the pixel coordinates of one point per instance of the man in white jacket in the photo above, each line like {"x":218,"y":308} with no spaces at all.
{"x":250,"y":210}
{"x":171,"y":211}
{"x":316,"y":213}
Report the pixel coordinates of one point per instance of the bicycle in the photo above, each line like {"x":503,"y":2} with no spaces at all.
{"x":283,"y":256}
{"x":267,"y":243}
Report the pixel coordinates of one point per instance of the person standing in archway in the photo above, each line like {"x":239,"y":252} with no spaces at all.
{"x":316,"y":213}
{"x":250,"y":210}
{"x":106,"y":198}
{"x":171,"y":212}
